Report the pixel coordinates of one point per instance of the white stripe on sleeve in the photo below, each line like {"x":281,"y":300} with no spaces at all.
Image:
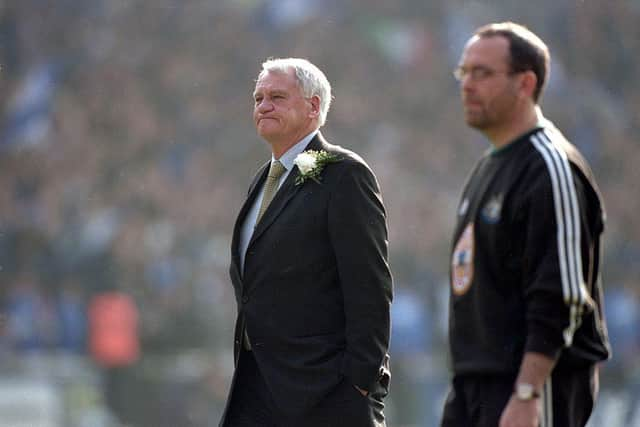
{"x":568,"y":228}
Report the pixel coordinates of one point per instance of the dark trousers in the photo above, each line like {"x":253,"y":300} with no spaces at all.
{"x":251,"y":404}
{"x":478,"y":400}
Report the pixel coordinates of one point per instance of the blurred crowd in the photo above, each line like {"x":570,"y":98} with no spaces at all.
{"x":126,"y":149}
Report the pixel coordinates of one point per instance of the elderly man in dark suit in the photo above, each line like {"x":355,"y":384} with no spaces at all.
{"x":309,"y":269}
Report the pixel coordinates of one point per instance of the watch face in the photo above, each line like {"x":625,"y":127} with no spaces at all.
{"x":525,"y":391}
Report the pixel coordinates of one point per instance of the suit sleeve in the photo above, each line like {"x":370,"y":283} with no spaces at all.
{"x":555,"y":291}
{"x":358,"y":233}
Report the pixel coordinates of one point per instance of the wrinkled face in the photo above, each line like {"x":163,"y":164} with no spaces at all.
{"x":489,"y":90}
{"x":281,"y":113}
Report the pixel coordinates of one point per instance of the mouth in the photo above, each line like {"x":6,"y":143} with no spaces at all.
{"x":470,"y":102}
{"x":471,"y":105}
{"x":264,"y":124}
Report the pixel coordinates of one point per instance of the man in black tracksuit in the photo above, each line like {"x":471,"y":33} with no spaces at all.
{"x":526,"y":327}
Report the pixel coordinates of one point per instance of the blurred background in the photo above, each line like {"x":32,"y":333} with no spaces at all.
{"x":127,"y":147}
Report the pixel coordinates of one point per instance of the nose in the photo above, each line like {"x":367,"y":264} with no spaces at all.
{"x":467,"y":87}
{"x":263,"y":106}
{"x":466,"y":82}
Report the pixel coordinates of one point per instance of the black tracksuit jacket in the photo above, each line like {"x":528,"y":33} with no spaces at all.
{"x":525,"y":259}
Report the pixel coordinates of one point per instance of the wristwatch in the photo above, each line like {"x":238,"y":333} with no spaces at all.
{"x":526,"y":391}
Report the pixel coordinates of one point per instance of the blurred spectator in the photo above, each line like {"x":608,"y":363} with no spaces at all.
{"x":113,"y":319}
{"x":622,"y":310}
{"x":31,"y":312}
{"x":72,"y":317}
{"x":411,"y":354}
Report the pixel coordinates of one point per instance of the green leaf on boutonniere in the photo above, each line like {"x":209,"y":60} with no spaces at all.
{"x":311,"y":163}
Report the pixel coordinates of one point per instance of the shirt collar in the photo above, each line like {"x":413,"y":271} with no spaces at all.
{"x":287,"y":158}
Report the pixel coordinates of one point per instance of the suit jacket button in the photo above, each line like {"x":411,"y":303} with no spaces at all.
{"x":245,"y":299}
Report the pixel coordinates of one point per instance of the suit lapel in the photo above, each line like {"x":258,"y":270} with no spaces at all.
{"x":256,"y":185}
{"x":282,"y":197}
{"x":284,"y":194}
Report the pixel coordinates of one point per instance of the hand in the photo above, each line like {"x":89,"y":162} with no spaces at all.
{"x":361,"y":390}
{"x":521,"y":413}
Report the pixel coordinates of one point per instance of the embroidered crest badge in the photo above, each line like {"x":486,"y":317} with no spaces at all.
{"x":492,"y":209}
{"x":462,"y":262}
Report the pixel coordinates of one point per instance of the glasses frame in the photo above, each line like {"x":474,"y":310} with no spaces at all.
{"x":479,"y":73}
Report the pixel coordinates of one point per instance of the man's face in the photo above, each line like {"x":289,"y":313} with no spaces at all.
{"x":281,"y":113}
{"x":488,"y":89}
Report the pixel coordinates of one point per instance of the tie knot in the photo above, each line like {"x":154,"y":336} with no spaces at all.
{"x":276,"y":169}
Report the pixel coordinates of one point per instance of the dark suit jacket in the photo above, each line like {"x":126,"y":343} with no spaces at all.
{"x":316,"y":290}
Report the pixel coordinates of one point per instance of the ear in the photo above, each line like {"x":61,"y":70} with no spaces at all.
{"x":528,"y":83}
{"x":315,"y":106}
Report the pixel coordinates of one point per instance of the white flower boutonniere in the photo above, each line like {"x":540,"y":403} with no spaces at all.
{"x":310,"y":164}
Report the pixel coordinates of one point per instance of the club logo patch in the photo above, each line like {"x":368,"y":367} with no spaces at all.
{"x":492,"y":209}
{"x":462,"y":262}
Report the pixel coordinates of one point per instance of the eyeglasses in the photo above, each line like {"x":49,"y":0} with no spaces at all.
{"x":477,"y":73}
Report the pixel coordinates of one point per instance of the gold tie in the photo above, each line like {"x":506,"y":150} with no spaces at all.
{"x":270,"y":186}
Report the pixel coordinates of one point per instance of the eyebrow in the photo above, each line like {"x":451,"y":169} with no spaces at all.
{"x":473,"y":65}
{"x":271,"y":92}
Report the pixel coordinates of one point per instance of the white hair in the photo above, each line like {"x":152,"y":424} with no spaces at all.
{"x":311,"y":80}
